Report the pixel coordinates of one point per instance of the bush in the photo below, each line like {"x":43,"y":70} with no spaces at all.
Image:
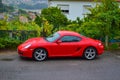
{"x":114,"y":46}
{"x":1,"y":45}
{"x":8,"y":43}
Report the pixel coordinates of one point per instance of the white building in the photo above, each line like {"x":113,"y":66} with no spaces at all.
{"x":73,"y":8}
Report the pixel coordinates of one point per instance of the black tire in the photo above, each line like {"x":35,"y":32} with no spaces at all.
{"x":40,"y":54}
{"x":90,"y":53}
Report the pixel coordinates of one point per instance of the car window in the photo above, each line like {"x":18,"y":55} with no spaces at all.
{"x":53,"y":37}
{"x":70,"y":39}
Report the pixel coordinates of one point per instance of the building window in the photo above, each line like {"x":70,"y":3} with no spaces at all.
{"x":64,"y":8}
{"x":85,"y":9}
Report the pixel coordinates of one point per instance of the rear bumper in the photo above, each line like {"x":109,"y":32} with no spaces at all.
{"x":100,"y":50}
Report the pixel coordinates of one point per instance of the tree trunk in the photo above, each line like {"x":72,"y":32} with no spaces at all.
{"x":106,"y":41}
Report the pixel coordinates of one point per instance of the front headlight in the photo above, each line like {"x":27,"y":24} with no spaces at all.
{"x":27,"y":46}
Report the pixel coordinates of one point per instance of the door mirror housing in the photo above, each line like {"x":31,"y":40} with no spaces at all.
{"x":59,"y":41}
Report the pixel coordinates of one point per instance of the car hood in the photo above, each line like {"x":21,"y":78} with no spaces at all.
{"x":33,"y":41}
{"x":36,"y":40}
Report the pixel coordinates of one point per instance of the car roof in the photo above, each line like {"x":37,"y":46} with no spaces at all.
{"x":71,"y":33}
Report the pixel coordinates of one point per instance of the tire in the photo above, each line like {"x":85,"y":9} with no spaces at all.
{"x":40,"y":54}
{"x":90,"y":53}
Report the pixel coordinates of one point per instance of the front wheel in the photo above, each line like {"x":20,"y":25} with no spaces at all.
{"x":40,"y":54}
{"x":90,"y":53}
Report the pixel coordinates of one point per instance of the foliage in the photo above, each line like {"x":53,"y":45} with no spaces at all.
{"x":2,"y":46}
{"x":16,"y":25}
{"x":90,"y":29}
{"x":103,"y":21}
{"x":72,"y":25}
{"x":9,"y":43}
{"x":3,"y":25}
{"x":38,"y":20}
{"x":22,"y":12}
{"x":46,"y":28}
{"x":54,"y":16}
{"x":114,"y":46}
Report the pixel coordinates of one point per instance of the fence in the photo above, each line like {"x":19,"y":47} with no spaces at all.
{"x":17,"y":34}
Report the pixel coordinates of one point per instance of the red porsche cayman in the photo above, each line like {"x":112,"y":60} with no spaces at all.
{"x":61,"y":44}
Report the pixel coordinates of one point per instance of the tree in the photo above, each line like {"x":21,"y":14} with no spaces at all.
{"x":54,"y":16}
{"x":106,"y":19}
{"x":73,"y":25}
{"x":46,"y":28}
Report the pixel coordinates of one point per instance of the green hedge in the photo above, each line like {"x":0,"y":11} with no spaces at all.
{"x":114,"y":46}
{"x":7,"y":43}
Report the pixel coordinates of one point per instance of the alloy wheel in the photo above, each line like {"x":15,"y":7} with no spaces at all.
{"x":40,"y":54}
{"x":90,"y":53}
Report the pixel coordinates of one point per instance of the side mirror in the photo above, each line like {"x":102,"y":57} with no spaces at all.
{"x":59,"y":41}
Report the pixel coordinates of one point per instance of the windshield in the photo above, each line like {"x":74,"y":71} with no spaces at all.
{"x":53,"y":37}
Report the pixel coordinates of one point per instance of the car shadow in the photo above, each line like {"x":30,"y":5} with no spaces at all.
{"x":59,"y":59}
{"x":71,"y":58}
{"x":64,"y":58}
{"x":25,"y":59}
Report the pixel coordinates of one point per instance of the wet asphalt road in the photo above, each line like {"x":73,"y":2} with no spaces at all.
{"x":105,"y":67}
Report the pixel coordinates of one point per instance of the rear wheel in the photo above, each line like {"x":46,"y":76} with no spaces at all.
{"x":40,"y":54}
{"x":90,"y":53}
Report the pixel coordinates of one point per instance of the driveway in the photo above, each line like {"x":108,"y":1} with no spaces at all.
{"x":105,"y":67}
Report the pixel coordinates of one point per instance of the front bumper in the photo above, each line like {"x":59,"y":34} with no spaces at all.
{"x":25,"y":52}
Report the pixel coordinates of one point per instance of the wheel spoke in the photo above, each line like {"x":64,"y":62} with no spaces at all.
{"x":43,"y":54}
{"x":37,"y":56}
{"x":41,"y":51}
{"x":37,"y":53}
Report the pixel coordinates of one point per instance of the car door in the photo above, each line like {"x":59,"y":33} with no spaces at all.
{"x":67,"y":45}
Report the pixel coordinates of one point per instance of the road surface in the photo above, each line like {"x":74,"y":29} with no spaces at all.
{"x":104,"y":67}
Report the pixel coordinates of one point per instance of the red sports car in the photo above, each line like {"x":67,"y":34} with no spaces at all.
{"x":61,"y":44}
